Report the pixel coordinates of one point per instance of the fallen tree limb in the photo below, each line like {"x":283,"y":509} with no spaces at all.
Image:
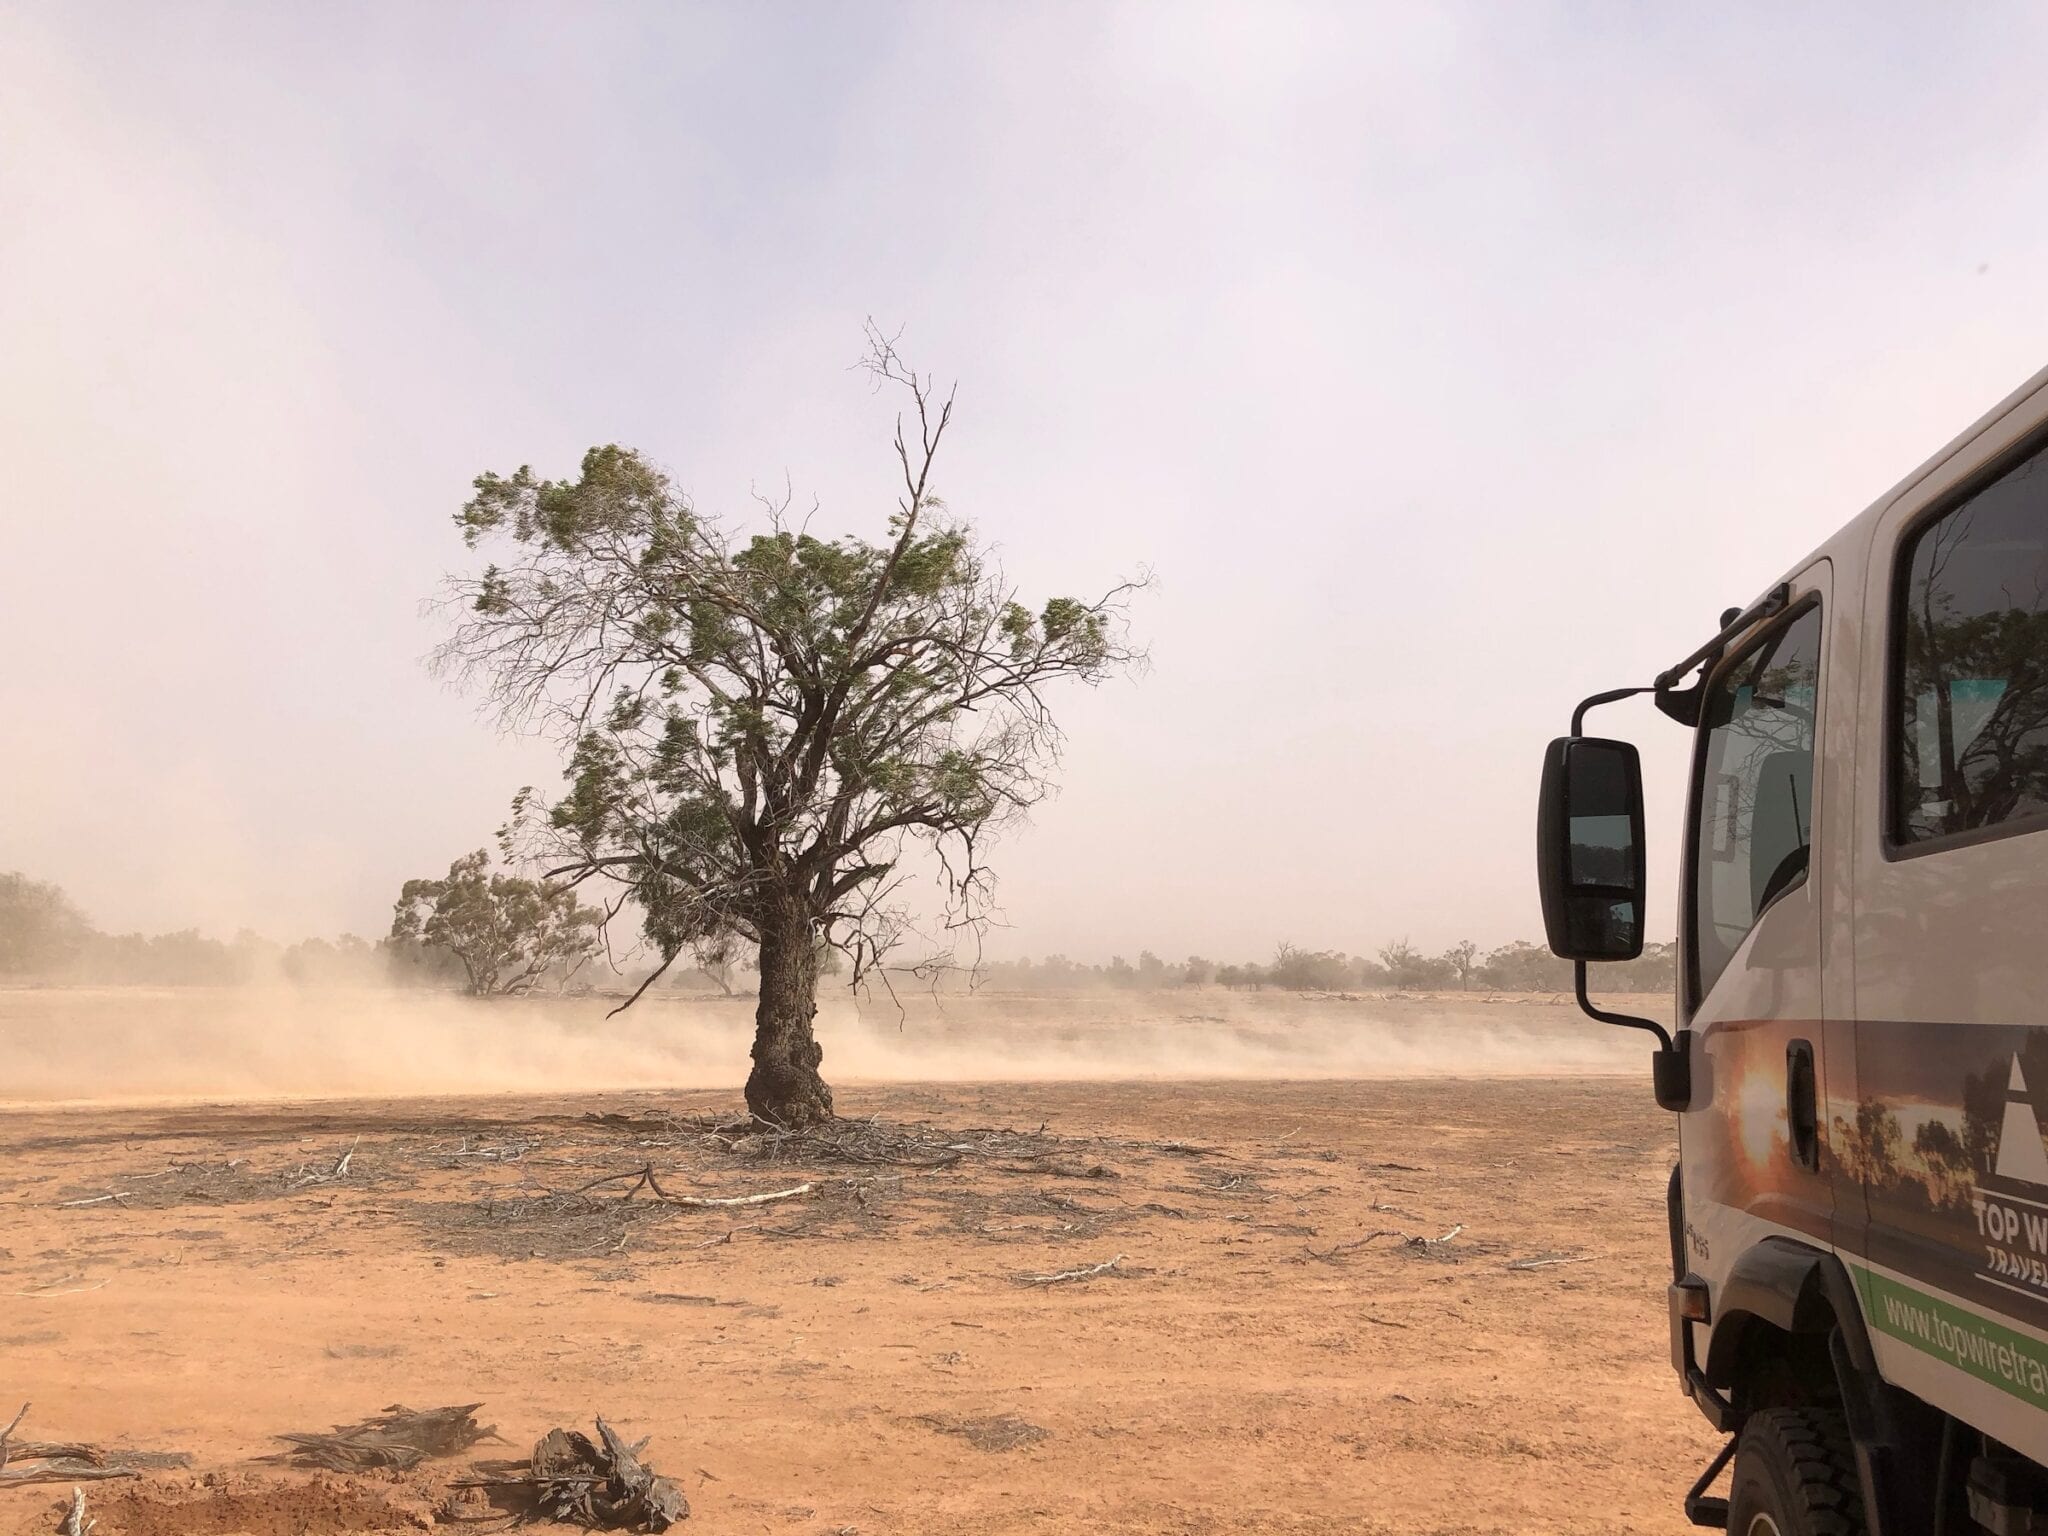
{"x":601,"y":1484}
{"x":1331,"y":1255}
{"x":47,"y":1291}
{"x":1546,"y":1263}
{"x":399,"y":1438}
{"x":1066,"y":1275}
{"x":51,"y":1461}
{"x":7,"y":1433}
{"x":62,"y":1472}
{"x":645,"y":1178}
{"x":75,"y":1522}
{"x":1412,"y":1242}
{"x":44,"y":1450}
{"x":338,"y":1171}
{"x":707,"y":1201}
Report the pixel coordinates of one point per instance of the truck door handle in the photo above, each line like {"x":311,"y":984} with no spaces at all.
{"x":1802,"y":1108}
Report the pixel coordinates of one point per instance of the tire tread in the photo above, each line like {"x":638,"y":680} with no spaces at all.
{"x":1813,"y":1445}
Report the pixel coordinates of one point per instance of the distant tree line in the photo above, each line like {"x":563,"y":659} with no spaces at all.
{"x":477,"y":930}
{"x":1400,"y":966}
{"x":485,"y":932}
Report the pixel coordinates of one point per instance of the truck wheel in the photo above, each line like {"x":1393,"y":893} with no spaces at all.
{"x":1795,"y":1476}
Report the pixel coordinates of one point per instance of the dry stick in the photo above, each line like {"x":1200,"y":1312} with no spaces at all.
{"x":44,"y":1450}
{"x":645,"y":1179}
{"x":1075,"y":1274}
{"x":706,"y":1201}
{"x":75,"y":1523}
{"x":15,"y":1477}
{"x":1370,"y":1237}
{"x":1576,"y":1258}
{"x":9,"y":1430}
{"x":46,"y":1292}
{"x":726,"y":1236}
{"x":341,"y":1168}
{"x":119,"y":1194}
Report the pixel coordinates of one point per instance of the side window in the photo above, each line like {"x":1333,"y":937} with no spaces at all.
{"x":1753,"y":805}
{"x":1971,"y":622}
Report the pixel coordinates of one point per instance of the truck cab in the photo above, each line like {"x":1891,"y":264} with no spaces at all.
{"x":1859,"y":1067}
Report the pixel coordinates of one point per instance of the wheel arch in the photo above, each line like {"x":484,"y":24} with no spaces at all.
{"x":1788,"y":1303}
{"x":1780,"y":1285}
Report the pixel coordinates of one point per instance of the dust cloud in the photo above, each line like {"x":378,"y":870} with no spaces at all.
{"x":131,"y":1044}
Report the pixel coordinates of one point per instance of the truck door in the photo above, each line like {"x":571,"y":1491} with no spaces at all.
{"x":1755,"y":1143}
{"x":1951,"y":947}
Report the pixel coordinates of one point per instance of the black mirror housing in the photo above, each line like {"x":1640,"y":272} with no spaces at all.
{"x":1589,"y":848}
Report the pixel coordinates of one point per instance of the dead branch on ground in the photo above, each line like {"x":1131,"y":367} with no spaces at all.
{"x":399,"y":1437}
{"x":1412,"y":1242}
{"x":7,"y":1434}
{"x":645,"y":1178}
{"x":47,"y":1461}
{"x":601,"y":1484}
{"x":1550,"y":1260}
{"x":307,"y":1177}
{"x":1066,"y":1275}
{"x":44,"y":1293}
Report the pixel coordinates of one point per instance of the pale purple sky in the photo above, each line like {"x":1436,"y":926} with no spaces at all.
{"x":1447,"y":362}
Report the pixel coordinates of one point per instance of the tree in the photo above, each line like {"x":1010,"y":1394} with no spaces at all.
{"x":1407,"y":966}
{"x":508,"y":933}
{"x":1525,"y":967}
{"x":759,"y":729}
{"x":715,"y":955}
{"x":39,"y":927}
{"x":1462,"y":961}
{"x":349,"y":961}
{"x":1309,"y":970}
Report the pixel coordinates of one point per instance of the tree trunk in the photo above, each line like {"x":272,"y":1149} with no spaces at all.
{"x":784,"y":1087}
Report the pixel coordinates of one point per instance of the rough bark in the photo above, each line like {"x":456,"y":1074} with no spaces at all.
{"x":784,"y":1088}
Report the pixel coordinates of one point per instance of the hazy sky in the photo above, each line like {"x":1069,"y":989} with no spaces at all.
{"x":1447,"y":362}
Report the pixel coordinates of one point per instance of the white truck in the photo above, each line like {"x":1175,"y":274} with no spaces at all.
{"x":1859,"y":1216}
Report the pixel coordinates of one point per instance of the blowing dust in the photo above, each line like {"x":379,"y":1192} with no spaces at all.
{"x":131,"y":1044}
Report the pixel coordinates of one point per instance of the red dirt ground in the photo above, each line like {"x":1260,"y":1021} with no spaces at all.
{"x":873,"y":1355}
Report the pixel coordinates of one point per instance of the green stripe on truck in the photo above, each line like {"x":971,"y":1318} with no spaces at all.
{"x":1989,"y":1351}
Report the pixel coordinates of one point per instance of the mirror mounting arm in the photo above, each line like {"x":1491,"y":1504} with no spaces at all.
{"x":1683,"y":704}
{"x":1670,"y":1066}
{"x":1626,"y":1020}
{"x":1609,"y":697}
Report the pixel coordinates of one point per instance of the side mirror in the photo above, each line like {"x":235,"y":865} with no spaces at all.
{"x":1589,"y":848}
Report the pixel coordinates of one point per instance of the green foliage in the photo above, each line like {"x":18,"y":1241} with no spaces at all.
{"x":508,"y":934}
{"x":1516,"y":967}
{"x":1304,"y":970}
{"x":40,"y":930}
{"x":758,"y":725}
{"x":1525,"y":967}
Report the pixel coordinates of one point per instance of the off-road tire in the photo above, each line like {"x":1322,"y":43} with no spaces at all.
{"x":1795,"y":1476}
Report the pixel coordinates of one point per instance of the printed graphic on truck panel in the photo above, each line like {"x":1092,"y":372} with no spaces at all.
{"x":1947,"y":1141}
{"x":1739,"y":1140}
